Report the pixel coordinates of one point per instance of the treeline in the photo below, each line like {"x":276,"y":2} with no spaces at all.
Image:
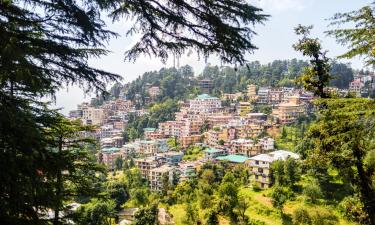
{"x":181,"y":83}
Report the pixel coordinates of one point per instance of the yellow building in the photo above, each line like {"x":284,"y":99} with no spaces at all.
{"x":289,"y":112}
{"x":251,"y":92}
{"x":244,"y":108}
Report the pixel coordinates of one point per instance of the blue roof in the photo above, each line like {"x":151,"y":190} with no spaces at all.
{"x":233,"y":158}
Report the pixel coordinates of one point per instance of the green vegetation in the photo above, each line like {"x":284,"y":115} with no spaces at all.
{"x":158,"y":112}
{"x":193,"y":153}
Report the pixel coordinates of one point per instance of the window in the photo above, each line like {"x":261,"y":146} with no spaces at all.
{"x":257,"y":162}
{"x":260,"y":170}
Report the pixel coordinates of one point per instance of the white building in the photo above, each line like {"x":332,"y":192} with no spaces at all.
{"x":205,"y":104}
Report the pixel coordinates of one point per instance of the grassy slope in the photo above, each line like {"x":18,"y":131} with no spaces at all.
{"x":261,"y":209}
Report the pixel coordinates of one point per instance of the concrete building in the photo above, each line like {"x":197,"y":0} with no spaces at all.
{"x":245,"y":147}
{"x":205,"y":104}
{"x":146,"y":164}
{"x":156,"y":175}
{"x":92,"y":116}
{"x":356,"y":86}
{"x":244,"y":108}
{"x":251,"y":92}
{"x":260,"y":166}
{"x":289,"y":112}
{"x":212,"y":153}
{"x":154,"y":92}
{"x":109,"y":155}
{"x":205,"y":85}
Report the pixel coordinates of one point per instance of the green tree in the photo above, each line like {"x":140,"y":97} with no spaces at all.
{"x":313,"y":192}
{"x":342,"y":137}
{"x":317,"y":76}
{"x":118,"y":163}
{"x":192,"y":216}
{"x":358,"y":33}
{"x":118,"y":192}
{"x":95,"y":213}
{"x":279,"y":197}
{"x":240,"y":209}
{"x":146,"y":216}
{"x":212,"y":218}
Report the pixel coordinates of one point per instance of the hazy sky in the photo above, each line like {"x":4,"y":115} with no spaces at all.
{"x":274,"y":40}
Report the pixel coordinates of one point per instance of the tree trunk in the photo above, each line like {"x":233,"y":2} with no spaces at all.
{"x":58,"y":187}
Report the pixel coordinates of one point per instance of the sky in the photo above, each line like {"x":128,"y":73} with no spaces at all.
{"x":274,"y":40}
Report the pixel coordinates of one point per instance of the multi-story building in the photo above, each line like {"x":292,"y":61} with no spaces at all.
{"x":146,"y":164}
{"x":205,"y":104}
{"x":206,"y":85}
{"x":111,"y":142}
{"x":289,"y":112}
{"x":154,"y":92}
{"x":270,"y":96}
{"x":231,"y":97}
{"x":170,"y":128}
{"x":108,"y":156}
{"x":245,"y":147}
{"x":219,"y":136}
{"x":92,"y":116}
{"x":156,"y":176}
{"x":260,"y":166}
{"x":251,"y":130}
{"x":188,"y":140}
{"x":218,"y":119}
{"x":186,"y":171}
{"x":212,"y":153}
{"x":356,"y":86}
{"x":243,"y":108}
{"x":251,"y":92}
{"x":267,"y":143}
{"x":152,"y":133}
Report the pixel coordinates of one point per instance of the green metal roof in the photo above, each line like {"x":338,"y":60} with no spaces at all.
{"x":205,"y":96}
{"x":212,"y":150}
{"x":233,"y":158}
{"x":110,"y":149}
{"x":149,"y":129}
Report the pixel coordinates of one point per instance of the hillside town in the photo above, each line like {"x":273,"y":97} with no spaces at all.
{"x":234,"y":133}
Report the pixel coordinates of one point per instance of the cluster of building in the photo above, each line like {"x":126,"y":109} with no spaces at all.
{"x":362,"y":84}
{"x":232,"y":133}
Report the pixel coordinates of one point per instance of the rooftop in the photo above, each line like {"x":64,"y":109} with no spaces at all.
{"x":212,"y":150}
{"x":149,"y":129}
{"x":233,"y":158}
{"x":108,"y":150}
{"x":276,"y":155}
{"x":205,"y":97}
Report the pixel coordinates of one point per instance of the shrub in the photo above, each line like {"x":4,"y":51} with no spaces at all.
{"x":301,"y":217}
{"x":352,"y":209}
{"x":324,"y":218}
{"x":312,"y":192}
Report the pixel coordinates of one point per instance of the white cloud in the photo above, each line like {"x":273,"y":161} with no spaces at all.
{"x":278,"y":6}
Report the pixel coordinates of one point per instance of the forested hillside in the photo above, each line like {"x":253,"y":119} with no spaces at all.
{"x":182,"y":83}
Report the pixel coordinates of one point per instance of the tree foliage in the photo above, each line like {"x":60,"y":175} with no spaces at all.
{"x":208,"y":27}
{"x":317,"y":76}
{"x":356,"y":30}
{"x":342,"y":137}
